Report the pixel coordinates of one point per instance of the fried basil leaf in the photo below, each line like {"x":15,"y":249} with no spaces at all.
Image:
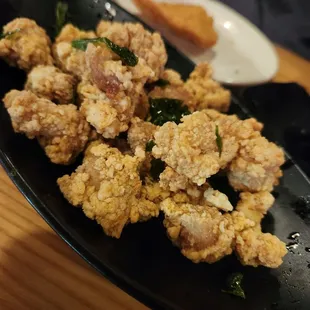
{"x":164,"y":110}
{"x":149,"y":146}
{"x":219,"y":141}
{"x":127,"y":56}
{"x":61,"y":15}
{"x":234,"y":285}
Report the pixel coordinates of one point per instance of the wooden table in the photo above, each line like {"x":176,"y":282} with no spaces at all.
{"x":40,"y":271}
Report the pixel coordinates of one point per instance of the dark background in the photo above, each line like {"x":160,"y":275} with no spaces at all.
{"x":286,"y":22}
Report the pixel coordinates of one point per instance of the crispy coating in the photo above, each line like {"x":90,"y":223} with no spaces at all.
{"x":27,"y":48}
{"x":205,"y":235}
{"x":170,"y":179}
{"x":202,"y":233}
{"x":140,"y":132}
{"x":255,"y":205}
{"x":146,"y":45}
{"x":208,"y":94}
{"x":215,"y":198}
{"x":108,"y":187}
{"x":190,"y":148}
{"x":50,"y":83}
{"x":257,"y":166}
{"x":188,"y":21}
{"x":255,"y":248}
{"x":69,"y":59}
{"x":175,"y":89}
{"x":61,"y":129}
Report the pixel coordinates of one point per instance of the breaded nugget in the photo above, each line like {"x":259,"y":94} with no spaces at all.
{"x":189,"y":21}
{"x":50,"y":83}
{"x":67,"y":58}
{"x":208,"y":94}
{"x":146,"y":45}
{"x":257,"y":166}
{"x":28,"y":47}
{"x":190,"y":148}
{"x":174,"y":90}
{"x":108,"y":187}
{"x":255,"y":205}
{"x":61,"y":129}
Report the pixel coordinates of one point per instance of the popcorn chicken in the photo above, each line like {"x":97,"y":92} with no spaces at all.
{"x":50,"y":83}
{"x":68,"y":58}
{"x":146,"y":45}
{"x":61,"y":129}
{"x":189,"y":21}
{"x":28,"y":47}
{"x":108,"y":188}
{"x":190,"y":148}
{"x":208,"y":94}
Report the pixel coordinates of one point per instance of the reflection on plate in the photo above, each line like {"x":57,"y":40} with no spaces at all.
{"x":243,"y":55}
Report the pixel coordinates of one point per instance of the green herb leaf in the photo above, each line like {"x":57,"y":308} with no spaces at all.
{"x":9,"y":34}
{"x":164,"y":110}
{"x":127,"y":56}
{"x":219,"y":140}
{"x":149,"y":146}
{"x":157,"y":167}
{"x":234,"y":285}
{"x":61,"y":15}
{"x":161,"y":83}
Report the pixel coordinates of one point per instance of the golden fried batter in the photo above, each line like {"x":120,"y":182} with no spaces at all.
{"x":146,"y":45}
{"x":190,"y":148}
{"x":61,"y":129}
{"x":28,"y":47}
{"x":255,"y":205}
{"x":257,"y":166}
{"x":255,"y":248}
{"x":50,"y":83}
{"x":67,"y":58}
{"x":174,"y":90}
{"x":108,"y":188}
{"x":208,"y":94}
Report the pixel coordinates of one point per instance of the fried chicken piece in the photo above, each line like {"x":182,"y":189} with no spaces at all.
{"x":215,"y":198}
{"x":146,"y":45}
{"x":208,"y":94}
{"x":61,"y":129}
{"x":108,"y":187}
{"x":174,"y":90}
{"x":189,"y":21}
{"x":231,"y":125}
{"x":202,"y":233}
{"x":140,"y":132}
{"x":255,"y":205}
{"x":257,"y":166}
{"x":50,"y":83}
{"x":70,"y":59}
{"x":170,"y":179}
{"x":28,"y":47}
{"x":190,"y":148}
{"x":255,"y":248}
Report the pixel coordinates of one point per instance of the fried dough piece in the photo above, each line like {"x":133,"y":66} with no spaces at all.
{"x":208,"y":94}
{"x":108,"y":187}
{"x":189,"y":21}
{"x":28,"y":47}
{"x":69,"y":59}
{"x":61,"y":129}
{"x":50,"y":83}
{"x":190,"y":148}
{"x":146,"y":45}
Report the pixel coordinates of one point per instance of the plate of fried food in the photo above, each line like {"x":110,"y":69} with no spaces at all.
{"x":207,"y":30}
{"x":146,"y":166}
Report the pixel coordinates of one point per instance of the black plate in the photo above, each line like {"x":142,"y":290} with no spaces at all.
{"x":144,"y":262}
